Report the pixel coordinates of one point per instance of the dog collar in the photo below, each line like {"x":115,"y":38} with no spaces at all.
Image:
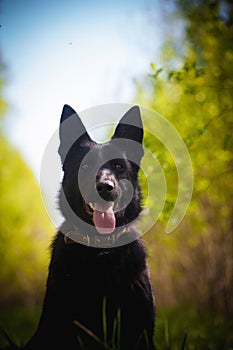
{"x":100,"y":241}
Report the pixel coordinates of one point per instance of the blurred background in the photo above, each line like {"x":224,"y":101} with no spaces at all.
{"x":173,"y":56}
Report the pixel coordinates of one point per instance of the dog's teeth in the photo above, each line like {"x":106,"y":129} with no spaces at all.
{"x":91,"y":206}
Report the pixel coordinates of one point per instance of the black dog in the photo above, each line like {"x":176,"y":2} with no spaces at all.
{"x":99,"y":294}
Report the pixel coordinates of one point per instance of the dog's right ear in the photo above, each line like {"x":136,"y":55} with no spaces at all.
{"x":71,"y":129}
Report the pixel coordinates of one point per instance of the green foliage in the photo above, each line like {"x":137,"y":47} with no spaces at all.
{"x":193,"y":90}
{"x":24,"y":230}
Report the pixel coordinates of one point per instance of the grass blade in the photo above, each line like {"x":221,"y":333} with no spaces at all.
{"x":92,"y":335}
{"x":167,"y":339}
{"x":104,"y":320}
{"x":184,"y":340}
{"x":118,"y":328}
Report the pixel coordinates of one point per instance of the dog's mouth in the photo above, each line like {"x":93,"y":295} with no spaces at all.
{"x":103,"y":216}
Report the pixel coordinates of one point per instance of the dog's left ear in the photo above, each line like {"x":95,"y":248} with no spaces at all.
{"x":130,"y":126}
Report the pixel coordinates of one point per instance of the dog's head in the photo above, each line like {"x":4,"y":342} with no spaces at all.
{"x":100,"y":184}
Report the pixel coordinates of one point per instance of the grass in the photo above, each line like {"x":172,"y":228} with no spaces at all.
{"x":188,"y":329}
{"x":176,"y":329}
{"x":114,"y":342}
{"x":19,"y":323}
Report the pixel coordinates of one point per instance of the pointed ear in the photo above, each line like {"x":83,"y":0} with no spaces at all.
{"x":130,"y":126}
{"x":71,"y":129}
{"x":67,"y":112}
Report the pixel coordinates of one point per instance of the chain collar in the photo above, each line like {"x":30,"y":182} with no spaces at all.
{"x":98,"y":241}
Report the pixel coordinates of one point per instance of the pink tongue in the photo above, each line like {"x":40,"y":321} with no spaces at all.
{"x":104,"y":222}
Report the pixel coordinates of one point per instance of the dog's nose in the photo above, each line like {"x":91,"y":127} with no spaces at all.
{"x":105,"y":186}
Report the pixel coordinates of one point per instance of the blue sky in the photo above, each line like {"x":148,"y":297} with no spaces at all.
{"x":83,"y":53}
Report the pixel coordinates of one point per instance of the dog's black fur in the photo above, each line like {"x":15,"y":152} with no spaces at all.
{"x":91,"y":284}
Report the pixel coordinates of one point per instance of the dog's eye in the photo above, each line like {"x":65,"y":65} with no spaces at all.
{"x":85,"y":166}
{"x":118,"y":166}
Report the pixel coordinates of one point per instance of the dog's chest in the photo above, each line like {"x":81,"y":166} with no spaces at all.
{"x":83,"y":270}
